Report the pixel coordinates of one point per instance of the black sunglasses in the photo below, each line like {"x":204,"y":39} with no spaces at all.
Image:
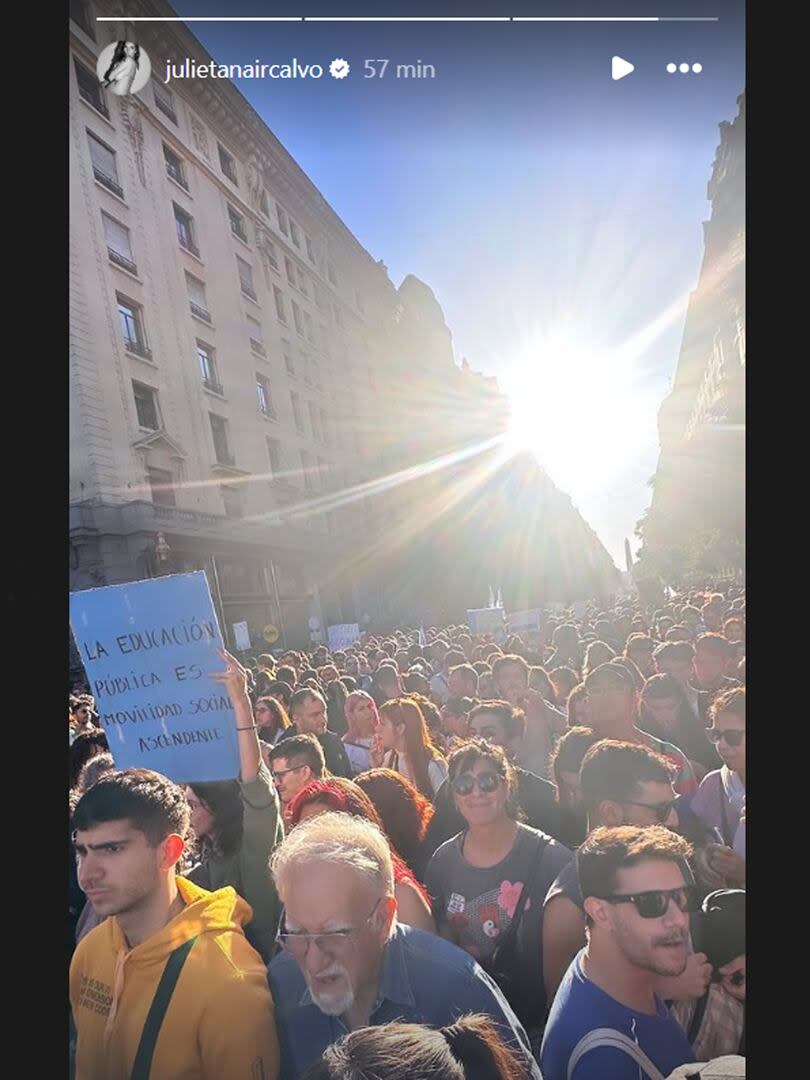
{"x":486,"y":782}
{"x":730,"y":736}
{"x":661,"y":810}
{"x":654,"y":904}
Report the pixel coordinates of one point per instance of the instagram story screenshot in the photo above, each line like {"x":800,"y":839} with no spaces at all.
{"x":407,"y":425}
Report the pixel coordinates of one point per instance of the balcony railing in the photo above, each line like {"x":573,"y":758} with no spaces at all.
{"x":134,"y":346}
{"x":247,"y":290}
{"x":188,"y":245}
{"x":200,"y":312}
{"x":122,"y":260}
{"x":176,"y":175}
{"x":258,"y":348}
{"x":238,"y":229}
{"x":166,"y":109}
{"x":108,"y":181}
{"x":214,"y":386}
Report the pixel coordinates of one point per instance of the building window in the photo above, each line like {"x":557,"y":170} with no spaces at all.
{"x":237,"y":224}
{"x":90,"y":88}
{"x":164,"y":99}
{"x":79,"y":14}
{"x":268,"y":249}
{"x":282,"y":220}
{"x":296,"y":408}
{"x":295,"y":235}
{"x":162,"y":484}
{"x":330,"y":273}
{"x":118,"y":246}
{"x":174,"y":167}
{"x":105,"y":168}
{"x":263,"y":394}
{"x":302,"y":282}
{"x":263,"y":204}
{"x":219,"y":433}
{"x":256,"y":336}
{"x":227,"y":164}
{"x":246,"y":278}
{"x":324,"y":430}
{"x":130,"y":316}
{"x":232,"y":501}
{"x":278,"y":296}
{"x":274,"y":453}
{"x":299,"y":322}
{"x":289,"y":362}
{"x":290,"y":269}
{"x":310,"y":327}
{"x":184,"y":223}
{"x":310,"y":251}
{"x":146,"y":406}
{"x":197,"y":300}
{"x":208,"y":368}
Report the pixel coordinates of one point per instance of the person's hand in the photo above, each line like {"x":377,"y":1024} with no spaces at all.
{"x":734,"y":978}
{"x":376,"y":751}
{"x":727,"y":862}
{"x":691,"y":983}
{"x":706,"y":874}
{"x":233,"y":678}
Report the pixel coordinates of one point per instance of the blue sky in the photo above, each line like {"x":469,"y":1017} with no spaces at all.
{"x":556,"y":214}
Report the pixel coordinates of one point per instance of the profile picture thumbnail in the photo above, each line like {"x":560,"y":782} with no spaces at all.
{"x":123,"y":68}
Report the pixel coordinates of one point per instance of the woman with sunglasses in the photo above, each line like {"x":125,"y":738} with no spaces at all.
{"x":494,"y":873}
{"x":271,"y":719}
{"x":720,"y":800}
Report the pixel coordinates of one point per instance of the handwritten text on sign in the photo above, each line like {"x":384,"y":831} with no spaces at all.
{"x":148,"y":648}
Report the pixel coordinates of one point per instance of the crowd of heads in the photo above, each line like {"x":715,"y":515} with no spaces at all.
{"x":652,"y":705}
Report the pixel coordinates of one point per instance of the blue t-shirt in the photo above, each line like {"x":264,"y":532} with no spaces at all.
{"x":580,"y":1006}
{"x":424,"y":980}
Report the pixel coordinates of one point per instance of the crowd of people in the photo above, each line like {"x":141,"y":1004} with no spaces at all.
{"x":445,"y":856}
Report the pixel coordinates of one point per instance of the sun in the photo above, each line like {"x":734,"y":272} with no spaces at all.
{"x":578,"y":409}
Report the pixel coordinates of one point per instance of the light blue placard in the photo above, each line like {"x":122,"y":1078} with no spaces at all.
{"x":148,"y":648}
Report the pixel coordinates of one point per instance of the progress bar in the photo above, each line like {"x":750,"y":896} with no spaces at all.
{"x":409,"y":18}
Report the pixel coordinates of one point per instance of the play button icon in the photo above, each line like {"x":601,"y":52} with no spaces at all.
{"x":620,"y":68}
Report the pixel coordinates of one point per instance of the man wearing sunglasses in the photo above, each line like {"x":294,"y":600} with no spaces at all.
{"x":346,"y":961}
{"x":607,"y":1019}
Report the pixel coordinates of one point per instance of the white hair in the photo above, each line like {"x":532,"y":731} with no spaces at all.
{"x":337,"y":838}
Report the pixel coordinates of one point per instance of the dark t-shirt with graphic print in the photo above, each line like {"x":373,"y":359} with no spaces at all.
{"x":473,"y":906}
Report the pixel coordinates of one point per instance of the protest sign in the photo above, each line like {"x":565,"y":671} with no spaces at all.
{"x":241,"y":635}
{"x":487,"y":621}
{"x":148,"y":648}
{"x":525,"y":621}
{"x":342,"y":635}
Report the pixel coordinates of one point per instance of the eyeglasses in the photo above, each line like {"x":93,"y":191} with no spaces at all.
{"x":297,"y":943}
{"x":486,"y":782}
{"x":730,"y":736}
{"x":655,"y":903}
{"x":660,"y":810}
{"x":283,"y":772}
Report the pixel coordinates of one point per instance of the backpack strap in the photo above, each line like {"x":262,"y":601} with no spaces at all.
{"x":616,"y":1040}
{"x":697,"y":1018}
{"x":511,"y":934}
{"x":157,"y":1010}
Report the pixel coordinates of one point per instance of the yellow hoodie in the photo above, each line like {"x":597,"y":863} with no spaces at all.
{"x":219,"y":1024}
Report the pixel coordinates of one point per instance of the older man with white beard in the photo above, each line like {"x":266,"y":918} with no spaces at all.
{"x":348,"y":963}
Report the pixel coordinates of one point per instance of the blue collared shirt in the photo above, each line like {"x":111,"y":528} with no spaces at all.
{"x":424,"y":980}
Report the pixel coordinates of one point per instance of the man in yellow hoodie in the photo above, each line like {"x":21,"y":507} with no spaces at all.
{"x":167,"y":987}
